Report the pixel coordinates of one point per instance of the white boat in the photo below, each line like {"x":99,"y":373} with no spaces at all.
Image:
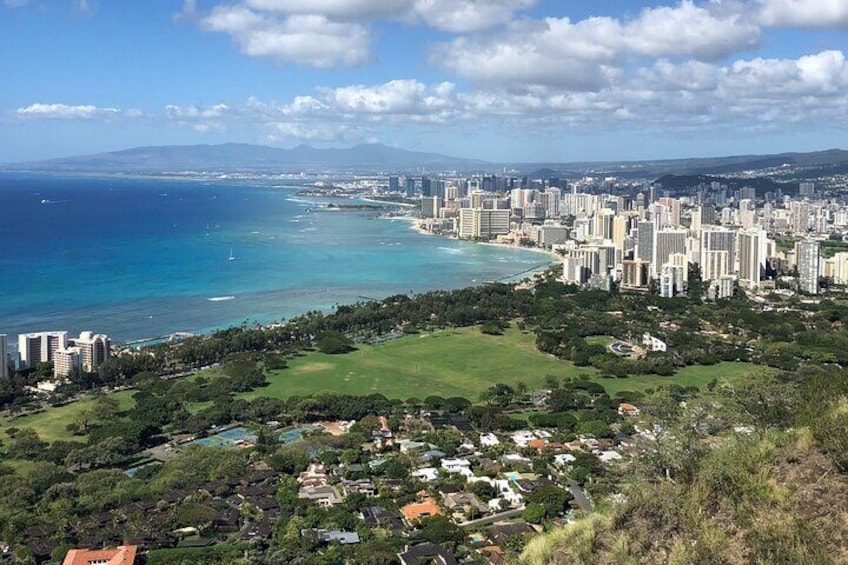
{"x":231,"y":257}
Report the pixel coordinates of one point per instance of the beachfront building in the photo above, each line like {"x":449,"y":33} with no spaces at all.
{"x":40,"y":347}
{"x":477,"y":223}
{"x":65,"y":360}
{"x":94,"y":350}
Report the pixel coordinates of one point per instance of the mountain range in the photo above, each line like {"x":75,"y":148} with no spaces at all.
{"x":374,"y":157}
{"x":246,"y":157}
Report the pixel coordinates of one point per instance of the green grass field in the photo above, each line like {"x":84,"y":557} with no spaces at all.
{"x":51,"y":423}
{"x":460,"y":362}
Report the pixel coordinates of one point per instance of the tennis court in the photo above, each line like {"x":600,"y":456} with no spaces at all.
{"x":228,"y":439}
{"x":296,"y":434}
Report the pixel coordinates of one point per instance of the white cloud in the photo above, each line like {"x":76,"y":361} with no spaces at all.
{"x":337,"y":9}
{"x":327,"y":33}
{"x":746,"y":93}
{"x":68,"y":112}
{"x":587,"y":54}
{"x":461,"y":16}
{"x":804,"y":13}
{"x":307,"y":39}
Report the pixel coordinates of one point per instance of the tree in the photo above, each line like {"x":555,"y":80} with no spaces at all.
{"x":498,"y":395}
{"x":440,"y":529}
{"x":334,"y":343}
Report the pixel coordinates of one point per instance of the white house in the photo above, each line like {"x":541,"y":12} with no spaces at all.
{"x":426,"y":474}
{"x":489,"y":440}
{"x":564,"y":459}
{"x":653,"y":344}
{"x":457,"y":466}
{"x":610,"y":456}
{"x":522,"y":437}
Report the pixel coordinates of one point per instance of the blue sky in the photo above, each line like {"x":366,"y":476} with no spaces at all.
{"x":504,"y":80}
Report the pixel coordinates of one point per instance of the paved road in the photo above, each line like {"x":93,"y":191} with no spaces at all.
{"x":493,"y":518}
{"x":579,"y":496}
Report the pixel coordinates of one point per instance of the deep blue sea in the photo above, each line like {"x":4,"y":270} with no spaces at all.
{"x":138,"y":257}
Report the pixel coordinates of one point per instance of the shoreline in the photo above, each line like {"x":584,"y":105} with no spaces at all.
{"x":416,"y":226}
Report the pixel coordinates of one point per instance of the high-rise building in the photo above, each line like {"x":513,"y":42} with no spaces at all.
{"x":35,"y":348}
{"x":807,"y":256}
{"x":634,"y":273}
{"x":645,"y":241}
{"x":708,"y":215}
{"x":753,"y":252}
{"x":4,"y":356}
{"x":94,"y":349}
{"x":748,"y":193}
{"x":65,"y":360}
{"x":807,"y":189}
{"x":840,"y":268}
{"x":718,"y":253}
{"x":410,"y":187}
{"x":476,"y":223}
{"x":426,"y":187}
{"x":394,"y":184}
{"x":668,"y":242}
{"x":674,"y":210}
{"x":430,"y":206}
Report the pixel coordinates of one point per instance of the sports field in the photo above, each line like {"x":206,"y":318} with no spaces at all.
{"x":461,"y":362}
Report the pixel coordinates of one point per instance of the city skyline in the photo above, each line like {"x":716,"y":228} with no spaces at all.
{"x":502,"y":80}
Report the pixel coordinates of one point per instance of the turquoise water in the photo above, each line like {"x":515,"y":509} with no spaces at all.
{"x":138,"y":258}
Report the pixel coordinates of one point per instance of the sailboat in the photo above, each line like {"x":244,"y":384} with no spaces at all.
{"x":231,"y":257}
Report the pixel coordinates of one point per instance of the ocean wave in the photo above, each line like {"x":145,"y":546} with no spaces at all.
{"x":451,"y":250}
{"x":221,"y":298}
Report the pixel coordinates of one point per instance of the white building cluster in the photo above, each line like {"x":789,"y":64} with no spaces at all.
{"x":86,"y":352}
{"x":648,"y":240}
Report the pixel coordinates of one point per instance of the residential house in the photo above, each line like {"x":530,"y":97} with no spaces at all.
{"x":427,"y":553}
{"x":426,"y":474}
{"x":423,"y":509}
{"x":330,"y":536}
{"x":122,"y":555}
{"x":325,"y":495}
{"x":489,"y":440}
{"x":464,"y":501}
{"x":457,"y":467}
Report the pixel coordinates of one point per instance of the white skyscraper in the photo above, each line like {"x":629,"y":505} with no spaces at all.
{"x":36,"y":348}
{"x":718,"y":253}
{"x":94,"y":349}
{"x":753,"y":252}
{"x":668,"y":242}
{"x":807,"y":254}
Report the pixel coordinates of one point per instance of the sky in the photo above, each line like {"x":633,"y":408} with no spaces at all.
{"x":501,"y":80}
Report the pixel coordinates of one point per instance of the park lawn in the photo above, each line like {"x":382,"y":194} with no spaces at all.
{"x":51,"y":423}
{"x":461,"y":362}
{"x":457,"y":362}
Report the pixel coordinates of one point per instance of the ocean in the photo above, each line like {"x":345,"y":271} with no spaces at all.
{"x":139,"y":258}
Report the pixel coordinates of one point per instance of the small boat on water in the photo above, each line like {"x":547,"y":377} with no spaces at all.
{"x":231,"y":257}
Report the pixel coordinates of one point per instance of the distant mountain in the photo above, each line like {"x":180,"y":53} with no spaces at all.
{"x":684,"y":184}
{"x":786,"y":165}
{"x":246,"y":157}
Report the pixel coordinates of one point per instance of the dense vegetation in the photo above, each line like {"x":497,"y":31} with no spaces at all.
{"x":702,"y":486}
{"x":709,"y":491}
